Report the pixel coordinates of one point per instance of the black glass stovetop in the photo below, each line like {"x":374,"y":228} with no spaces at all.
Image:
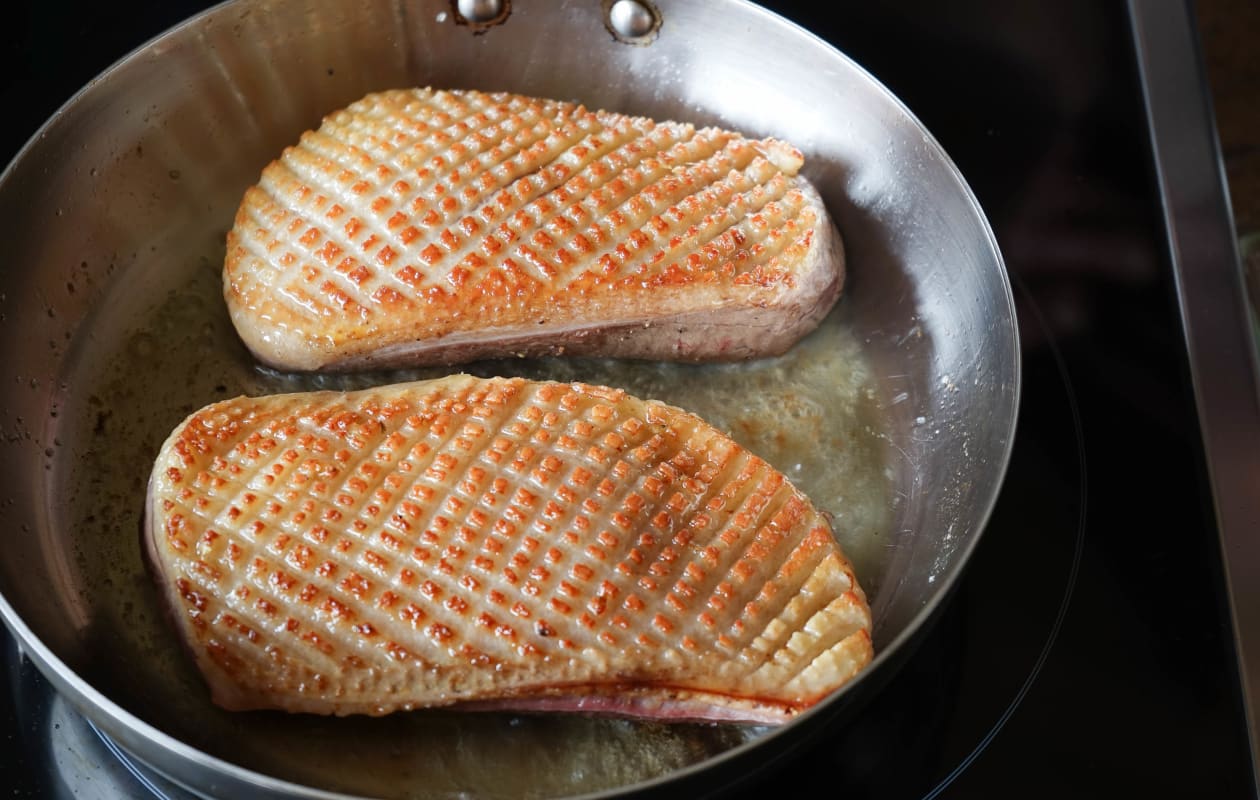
{"x":1087,"y":649}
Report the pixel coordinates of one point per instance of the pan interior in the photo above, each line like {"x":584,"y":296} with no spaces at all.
{"x":894,"y":417}
{"x":181,"y":352}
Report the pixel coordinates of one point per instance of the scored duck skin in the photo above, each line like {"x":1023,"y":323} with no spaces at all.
{"x":496,"y":543}
{"x":438,"y":227}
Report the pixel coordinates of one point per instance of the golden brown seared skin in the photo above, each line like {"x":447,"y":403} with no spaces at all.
{"x":437,"y":227}
{"x":500,"y":544}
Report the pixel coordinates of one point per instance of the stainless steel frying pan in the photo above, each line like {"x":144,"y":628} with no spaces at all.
{"x":897,"y":416}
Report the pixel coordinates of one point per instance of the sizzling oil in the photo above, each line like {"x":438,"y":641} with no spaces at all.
{"x":811,"y":413}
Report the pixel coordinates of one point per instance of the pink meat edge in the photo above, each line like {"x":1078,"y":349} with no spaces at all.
{"x":642,"y":707}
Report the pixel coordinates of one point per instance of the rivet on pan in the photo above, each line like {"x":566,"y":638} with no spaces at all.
{"x":481,"y":14}
{"x":480,"y":10}
{"x":632,"y":21}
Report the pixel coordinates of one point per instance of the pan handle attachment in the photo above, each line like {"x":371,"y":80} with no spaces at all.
{"x":629,"y":21}
{"x":632,"y":21}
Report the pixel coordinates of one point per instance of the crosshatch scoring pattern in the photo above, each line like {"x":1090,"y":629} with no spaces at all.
{"x":467,"y":539}
{"x":422,"y":213}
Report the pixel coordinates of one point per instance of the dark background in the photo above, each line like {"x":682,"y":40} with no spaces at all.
{"x":1087,"y":650}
